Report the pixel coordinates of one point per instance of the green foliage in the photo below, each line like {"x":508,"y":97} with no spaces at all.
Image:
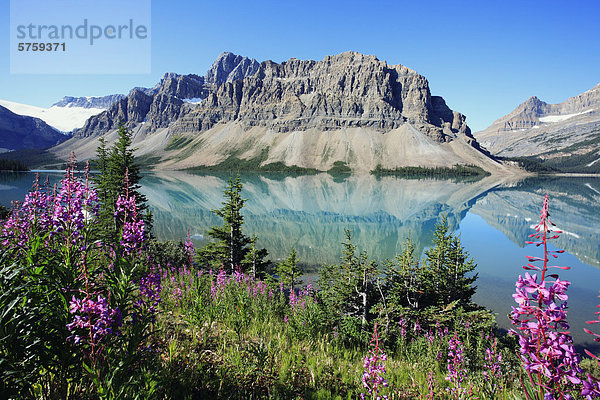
{"x":119,"y":175}
{"x":4,"y":212}
{"x":235,"y":164}
{"x":436,"y":291}
{"x":448,"y":270}
{"x":35,"y":158}
{"x":255,"y":261}
{"x":177,"y":142}
{"x":339,"y":168}
{"x":33,"y":317}
{"x":531,"y":164}
{"x":168,"y":252}
{"x":12,"y":165}
{"x":231,"y":247}
{"x":438,"y":172}
{"x":348,"y":290}
{"x":288,"y":271}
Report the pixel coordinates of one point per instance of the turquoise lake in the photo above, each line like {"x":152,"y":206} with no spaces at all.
{"x":493,"y":216}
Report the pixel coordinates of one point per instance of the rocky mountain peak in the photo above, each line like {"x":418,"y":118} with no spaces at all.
{"x":229,"y":67}
{"x":344,"y":90}
{"x":537,"y":128}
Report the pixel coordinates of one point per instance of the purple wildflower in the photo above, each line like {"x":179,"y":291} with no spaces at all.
{"x":457,"y":372}
{"x":374,"y":370}
{"x":546,"y":347}
{"x":94,"y":316}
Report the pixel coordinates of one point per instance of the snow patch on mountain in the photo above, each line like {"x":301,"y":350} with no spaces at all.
{"x":564,"y":117}
{"x":65,"y":119}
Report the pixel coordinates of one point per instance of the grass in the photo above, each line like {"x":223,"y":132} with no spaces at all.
{"x":237,"y":345}
{"x":178,"y":142}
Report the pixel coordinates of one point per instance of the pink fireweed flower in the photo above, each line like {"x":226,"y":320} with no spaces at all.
{"x":492,"y":366}
{"x":189,"y":249}
{"x":457,"y":372}
{"x":374,"y":370}
{"x":540,"y":318}
{"x":591,"y":386}
{"x":134,"y":235}
{"x":93,"y":316}
{"x":430,"y":386}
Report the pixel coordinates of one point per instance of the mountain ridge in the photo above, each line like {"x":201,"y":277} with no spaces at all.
{"x":23,"y":132}
{"x":563,"y":135}
{"x":348,"y":107}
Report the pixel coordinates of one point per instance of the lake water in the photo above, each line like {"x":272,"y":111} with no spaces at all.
{"x":493,"y":217}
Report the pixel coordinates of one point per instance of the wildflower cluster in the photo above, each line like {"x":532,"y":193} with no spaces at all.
{"x":546,"y":347}
{"x":493,"y":366}
{"x":591,"y":385}
{"x":457,"y":372}
{"x":82,"y":294}
{"x":374,"y":370}
{"x":93,"y":316}
{"x":133,"y":235}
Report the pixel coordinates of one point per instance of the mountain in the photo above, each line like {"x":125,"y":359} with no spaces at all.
{"x":23,"y":132}
{"x":564,"y":135}
{"x":67,"y":114}
{"x":103,"y":102}
{"x":350,"y":108}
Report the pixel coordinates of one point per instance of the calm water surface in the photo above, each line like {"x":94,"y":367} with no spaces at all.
{"x":492,"y":216}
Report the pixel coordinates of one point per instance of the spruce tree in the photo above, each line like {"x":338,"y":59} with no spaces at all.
{"x":348,"y":289}
{"x":231,"y":246}
{"x":255,"y":261}
{"x":288,"y":271}
{"x":119,"y":174}
{"x":448,"y":269}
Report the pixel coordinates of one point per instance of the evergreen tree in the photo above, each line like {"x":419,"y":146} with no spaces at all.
{"x":288,"y":271}
{"x":255,"y":260}
{"x":348,"y":289}
{"x":119,"y":174}
{"x":404,"y":278}
{"x":447,"y":270}
{"x":231,"y":246}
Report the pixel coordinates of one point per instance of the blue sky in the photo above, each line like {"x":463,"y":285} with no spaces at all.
{"x":483,"y":57}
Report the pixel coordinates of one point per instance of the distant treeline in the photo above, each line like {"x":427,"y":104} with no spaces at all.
{"x":12,"y":165}
{"x":442,"y":172}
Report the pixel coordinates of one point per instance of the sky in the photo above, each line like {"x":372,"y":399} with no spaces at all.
{"x":483,"y":57}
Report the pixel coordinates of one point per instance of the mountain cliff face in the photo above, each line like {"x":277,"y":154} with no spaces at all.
{"x":349,"y":107}
{"x":347,"y":90}
{"x":23,"y":132}
{"x":561,"y":134}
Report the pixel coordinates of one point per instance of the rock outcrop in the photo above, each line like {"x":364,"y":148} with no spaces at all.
{"x":22,"y":132}
{"x":229,"y":67}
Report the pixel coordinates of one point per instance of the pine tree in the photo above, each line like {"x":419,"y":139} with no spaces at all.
{"x":255,"y":261}
{"x":447,"y":269}
{"x":348,"y":289}
{"x":119,"y":174}
{"x":231,"y":246}
{"x":288,"y":271}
